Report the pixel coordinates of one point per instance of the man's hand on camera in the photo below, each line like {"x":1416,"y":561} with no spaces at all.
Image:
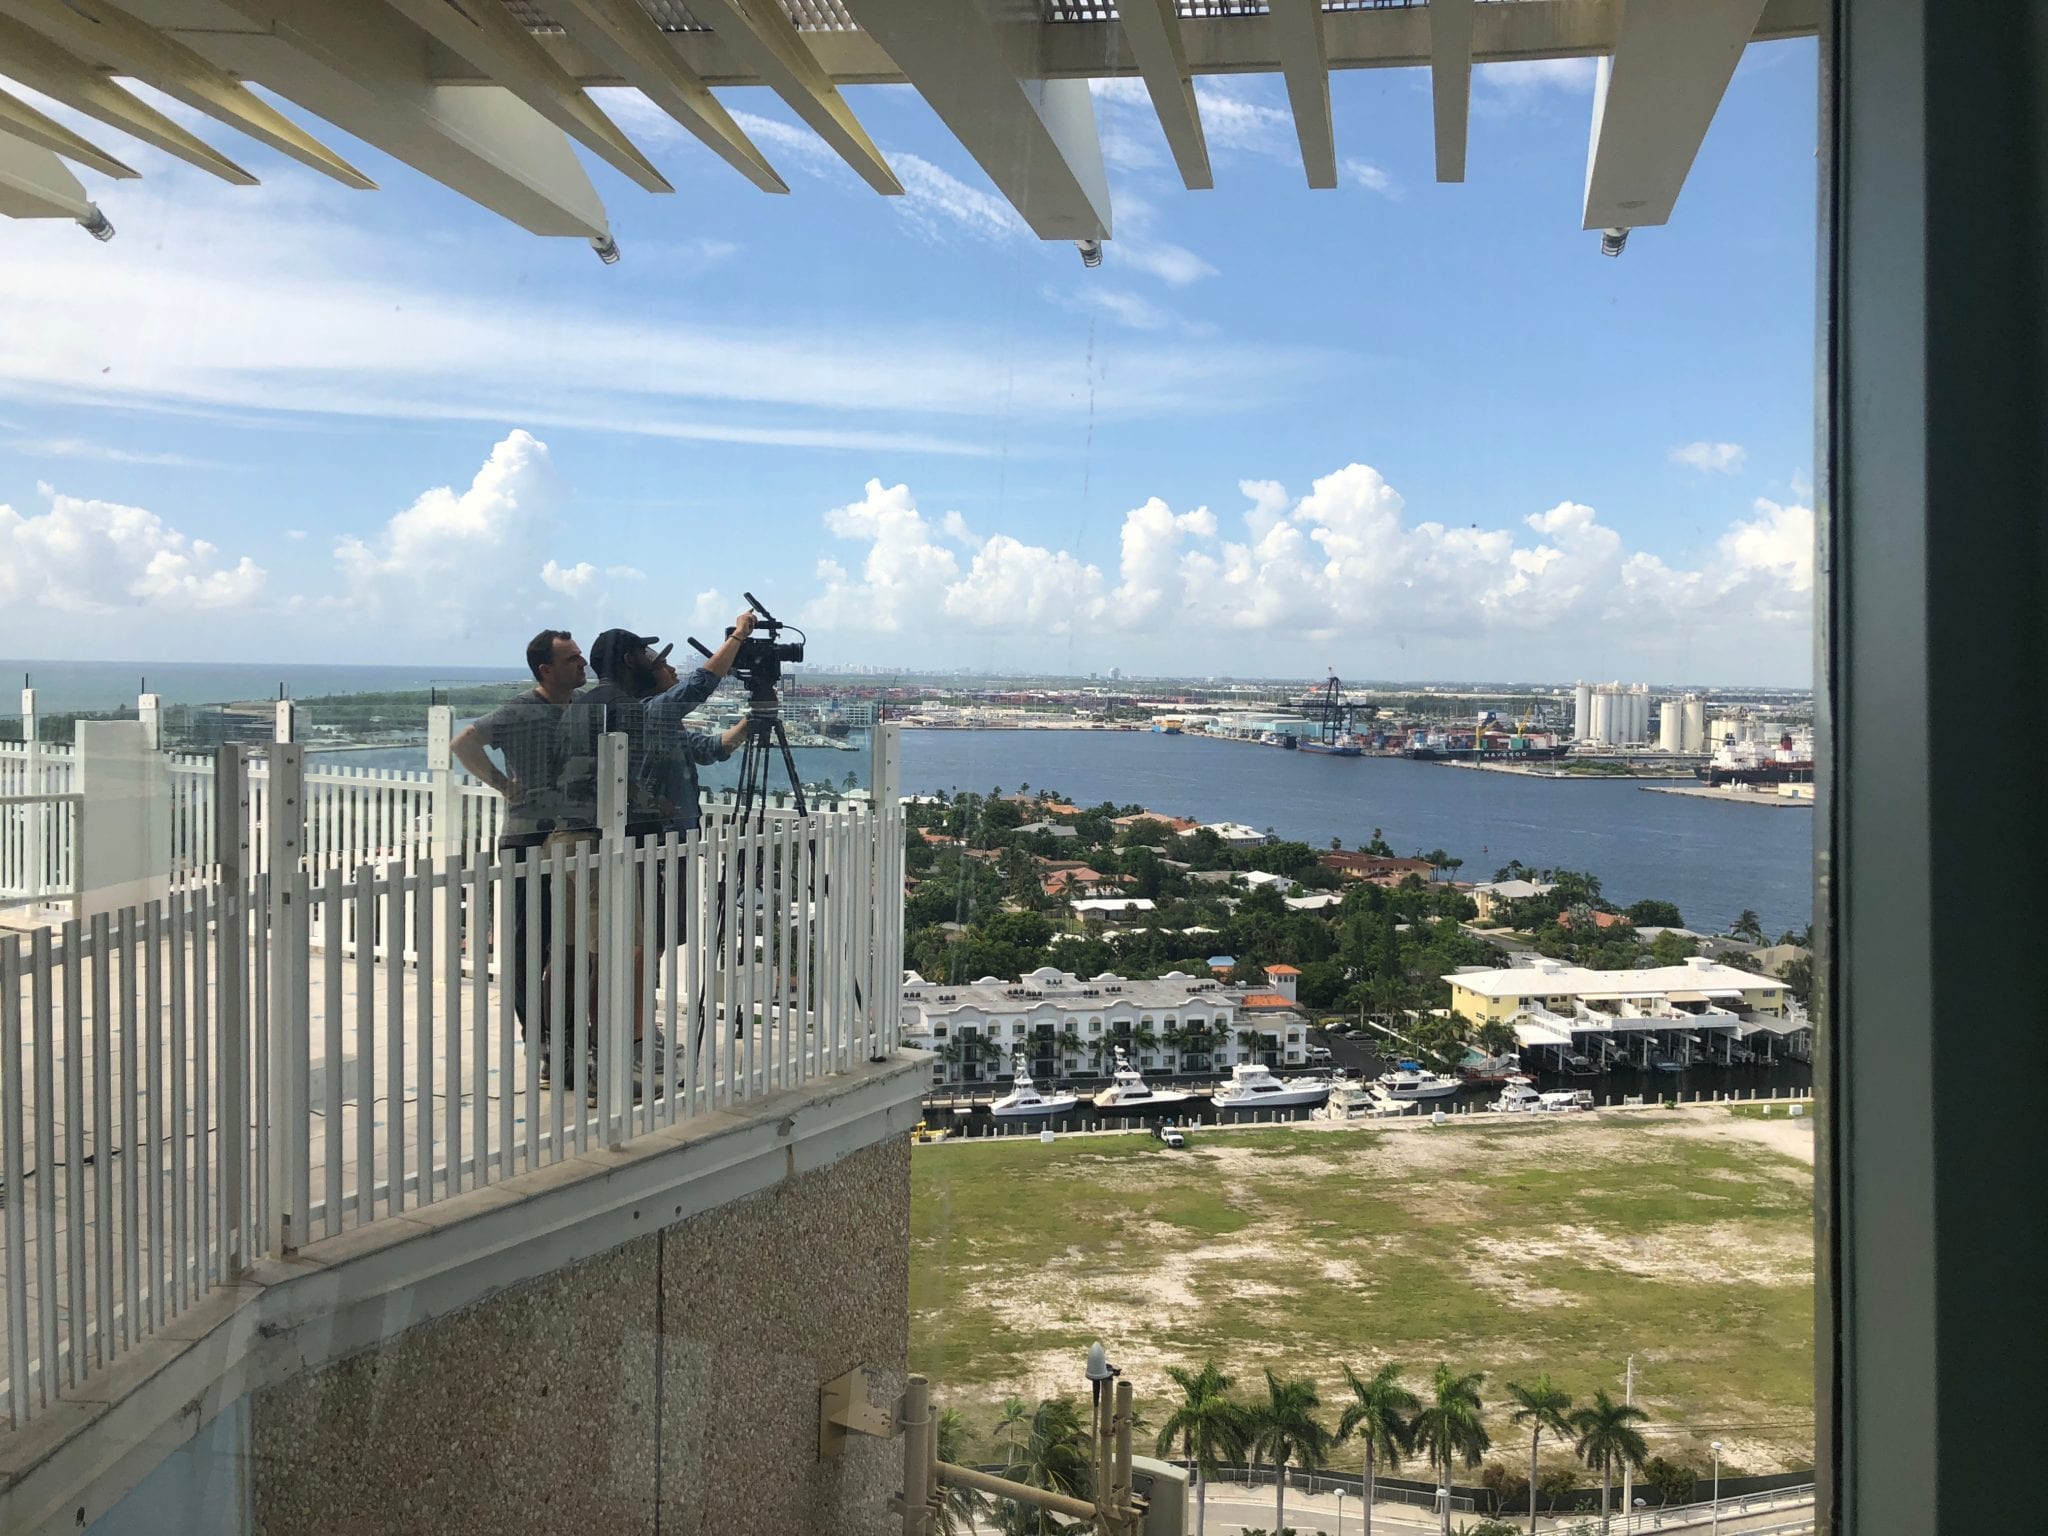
{"x":720,"y":661}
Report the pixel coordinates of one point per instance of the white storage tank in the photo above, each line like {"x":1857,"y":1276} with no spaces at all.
{"x":1695,"y":737}
{"x":1670,"y":726}
{"x":1582,"y":711}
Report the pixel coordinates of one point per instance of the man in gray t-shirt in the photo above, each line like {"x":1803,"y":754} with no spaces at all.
{"x":527,"y":733}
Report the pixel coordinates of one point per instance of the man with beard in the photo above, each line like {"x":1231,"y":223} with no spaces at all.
{"x":640,"y":695}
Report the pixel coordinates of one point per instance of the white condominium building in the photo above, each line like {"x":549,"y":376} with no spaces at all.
{"x":1067,"y":1025}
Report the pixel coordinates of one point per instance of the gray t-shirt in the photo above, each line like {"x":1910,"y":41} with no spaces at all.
{"x":528,"y":732}
{"x":662,"y":754}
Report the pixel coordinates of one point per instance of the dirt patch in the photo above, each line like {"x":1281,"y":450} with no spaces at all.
{"x":1785,"y":1136}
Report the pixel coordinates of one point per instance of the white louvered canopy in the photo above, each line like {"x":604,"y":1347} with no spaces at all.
{"x":490,"y":97}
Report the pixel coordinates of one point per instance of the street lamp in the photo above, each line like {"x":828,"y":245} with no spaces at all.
{"x":1717,"y":1490}
{"x":1340,"y":1512}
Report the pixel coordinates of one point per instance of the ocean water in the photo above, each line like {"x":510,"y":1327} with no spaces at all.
{"x":1710,"y":857}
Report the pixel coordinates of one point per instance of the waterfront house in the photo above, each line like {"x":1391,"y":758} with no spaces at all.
{"x":1490,"y":895}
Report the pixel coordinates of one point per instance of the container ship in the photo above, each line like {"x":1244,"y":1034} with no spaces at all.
{"x":1750,"y":762}
{"x":1516,"y":749}
{"x":1488,"y":740}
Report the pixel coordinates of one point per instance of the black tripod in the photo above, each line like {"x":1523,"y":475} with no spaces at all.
{"x":766,"y":741}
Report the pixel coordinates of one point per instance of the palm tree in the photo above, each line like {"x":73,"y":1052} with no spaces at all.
{"x":1747,"y":925}
{"x":1144,"y":1038}
{"x":1541,"y":1405}
{"x":1450,"y":1427}
{"x":1381,"y":1413}
{"x":1608,"y":1438}
{"x":1285,"y":1429}
{"x":1210,"y":1427}
{"x":1497,"y":1037}
{"x":961,"y":1508}
{"x":1046,"y":1447}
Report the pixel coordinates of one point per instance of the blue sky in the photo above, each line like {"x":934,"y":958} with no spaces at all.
{"x":1399,"y":429}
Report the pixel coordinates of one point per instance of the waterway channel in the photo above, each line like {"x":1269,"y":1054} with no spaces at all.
{"x":1713,"y":859}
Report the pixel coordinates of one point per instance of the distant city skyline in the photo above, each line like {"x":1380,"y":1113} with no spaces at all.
{"x":1399,"y":429}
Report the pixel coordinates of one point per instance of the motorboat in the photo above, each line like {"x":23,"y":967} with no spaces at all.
{"x":1024,"y":1101}
{"x":1127,"y":1091}
{"x":1350,"y":1098}
{"x":1517,"y":1097}
{"x":1252,"y":1086}
{"x":1409,"y":1082}
{"x":1577,"y":1064}
{"x":1482,"y":1068}
{"x":1564,"y":1101}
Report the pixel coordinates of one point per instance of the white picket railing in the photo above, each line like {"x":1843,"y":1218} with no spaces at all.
{"x":250,"y":1064}
{"x":38,"y":822}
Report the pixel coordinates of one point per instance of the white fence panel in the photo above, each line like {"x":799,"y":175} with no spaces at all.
{"x":200,"y":1081}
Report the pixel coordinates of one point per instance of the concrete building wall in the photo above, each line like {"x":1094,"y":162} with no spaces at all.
{"x":670,"y":1384}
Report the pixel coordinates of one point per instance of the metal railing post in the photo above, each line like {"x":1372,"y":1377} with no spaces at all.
{"x":616,"y":910}
{"x":32,"y":783}
{"x":231,"y":874}
{"x":290,"y":1026}
{"x":446,"y":835}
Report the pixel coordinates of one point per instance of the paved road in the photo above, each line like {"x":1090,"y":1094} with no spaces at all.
{"x":1233,"y":1509}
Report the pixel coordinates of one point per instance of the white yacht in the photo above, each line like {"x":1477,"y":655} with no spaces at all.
{"x":1351,"y":1098}
{"x":1517,"y":1097}
{"x":1127,"y":1091}
{"x":1025,"y":1101}
{"x":1408,"y":1082}
{"x":1252,"y":1086}
{"x":1565,"y":1102}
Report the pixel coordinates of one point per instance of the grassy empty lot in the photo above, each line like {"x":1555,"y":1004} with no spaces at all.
{"x":1508,"y":1246}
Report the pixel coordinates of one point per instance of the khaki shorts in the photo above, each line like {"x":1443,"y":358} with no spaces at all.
{"x":569,"y":842}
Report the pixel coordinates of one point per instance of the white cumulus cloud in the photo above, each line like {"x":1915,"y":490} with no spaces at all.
{"x":82,"y":556}
{"x":571,"y":581}
{"x":1347,"y":562}
{"x":1711,"y":458}
{"x":458,"y":558}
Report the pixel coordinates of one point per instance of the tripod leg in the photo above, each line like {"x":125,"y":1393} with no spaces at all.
{"x":796,"y":783}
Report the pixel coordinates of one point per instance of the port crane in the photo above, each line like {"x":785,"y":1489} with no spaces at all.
{"x":1330,"y":712}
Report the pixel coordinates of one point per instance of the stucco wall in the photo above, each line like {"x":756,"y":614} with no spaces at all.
{"x":678,"y":1373}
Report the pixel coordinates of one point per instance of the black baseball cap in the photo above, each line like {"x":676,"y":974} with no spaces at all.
{"x":608,"y":652}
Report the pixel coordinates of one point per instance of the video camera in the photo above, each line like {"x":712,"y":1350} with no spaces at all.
{"x":761,"y":655}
